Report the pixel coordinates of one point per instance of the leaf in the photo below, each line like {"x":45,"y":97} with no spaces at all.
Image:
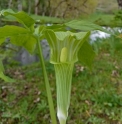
{"x":86,"y":54}
{"x":2,"y":76}
{"x":39,"y":31}
{"x":6,"y":78}
{"x":18,"y":36}
{"x":85,"y":26}
{"x":21,"y":16}
{"x":57,"y":27}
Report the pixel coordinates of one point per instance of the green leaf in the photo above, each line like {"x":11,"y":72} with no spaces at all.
{"x":85,"y":26}
{"x":86,"y":54}
{"x":21,"y":16}
{"x":6,"y":78}
{"x":18,"y":36}
{"x":57,"y":27}
{"x":2,"y":76}
{"x":39,"y":31}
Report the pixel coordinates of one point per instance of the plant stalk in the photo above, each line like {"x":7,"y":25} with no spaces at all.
{"x":63,"y":84}
{"x":49,"y":96}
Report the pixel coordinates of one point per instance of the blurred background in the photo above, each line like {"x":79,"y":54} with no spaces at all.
{"x":96,"y":94}
{"x":61,"y":8}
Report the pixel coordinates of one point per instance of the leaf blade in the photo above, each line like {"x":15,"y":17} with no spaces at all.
{"x":85,"y":26}
{"x":86,"y":54}
{"x":21,"y":16}
{"x":18,"y":36}
{"x":6,"y":78}
{"x":2,"y":76}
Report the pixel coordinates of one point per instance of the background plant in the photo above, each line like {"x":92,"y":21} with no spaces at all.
{"x":112,"y":44}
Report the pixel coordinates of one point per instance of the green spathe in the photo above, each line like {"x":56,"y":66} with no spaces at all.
{"x":64,"y":53}
{"x":71,"y":41}
{"x":63,"y":83}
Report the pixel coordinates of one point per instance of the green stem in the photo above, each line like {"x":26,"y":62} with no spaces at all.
{"x":63,"y":84}
{"x":49,"y":96}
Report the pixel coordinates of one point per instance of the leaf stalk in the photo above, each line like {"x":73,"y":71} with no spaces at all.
{"x":49,"y":96}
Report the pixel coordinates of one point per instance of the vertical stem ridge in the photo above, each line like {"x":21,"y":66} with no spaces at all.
{"x":49,"y":96}
{"x":63,"y":84}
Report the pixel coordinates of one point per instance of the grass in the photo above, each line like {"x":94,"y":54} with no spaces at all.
{"x":96,"y":95}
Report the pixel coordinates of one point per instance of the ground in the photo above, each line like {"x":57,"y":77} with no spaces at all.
{"x":95,"y":98}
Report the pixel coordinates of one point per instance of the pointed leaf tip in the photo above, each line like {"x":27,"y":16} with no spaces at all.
{"x":85,"y":26}
{"x":21,"y":17}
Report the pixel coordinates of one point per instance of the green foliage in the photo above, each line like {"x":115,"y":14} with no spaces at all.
{"x":76,"y":48}
{"x":112,"y":44}
{"x":85,"y":26}
{"x":6,"y":78}
{"x":2,"y":76}
{"x":32,"y":38}
{"x":118,"y":15}
{"x":18,"y":36}
{"x":86,"y":54}
{"x":21,"y":17}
